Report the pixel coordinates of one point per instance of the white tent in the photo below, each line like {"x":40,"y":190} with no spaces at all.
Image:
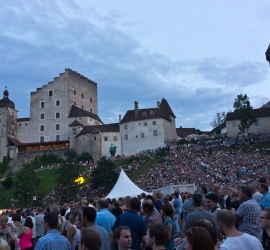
{"x":124,"y":187}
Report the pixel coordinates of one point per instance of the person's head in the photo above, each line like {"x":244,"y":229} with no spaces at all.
{"x":122,"y":236}
{"x":89,"y":214}
{"x":55,"y":209}
{"x":216,"y":188}
{"x":72,"y":204}
{"x":245,"y":193}
{"x":197,"y":200}
{"x":148,"y":206}
{"x":253,"y":187}
{"x":27,"y":212}
{"x":209,"y":227}
{"x":50,"y":221}
{"x":235,"y":193}
{"x":28,"y":222}
{"x":135,"y":204}
{"x":198,"y":238}
{"x":74,"y":212}
{"x":90,"y":240}
{"x":265,"y":219}
{"x":225,"y":219}
{"x":102,"y":203}
{"x":157,"y":235}
{"x":211,"y":201}
{"x":175,"y":195}
{"x":263,"y":188}
{"x":39,"y":210}
{"x":3,"y":220}
{"x":204,"y":189}
{"x":166,"y":210}
{"x":4,"y":245}
{"x":16,"y":217}
{"x":262,"y":180}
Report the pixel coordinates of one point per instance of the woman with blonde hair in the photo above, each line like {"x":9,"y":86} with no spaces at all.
{"x":73,"y":233}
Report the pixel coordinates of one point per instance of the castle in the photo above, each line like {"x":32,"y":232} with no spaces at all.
{"x":64,"y":114}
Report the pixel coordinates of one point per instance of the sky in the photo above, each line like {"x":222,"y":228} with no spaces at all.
{"x":198,"y":55}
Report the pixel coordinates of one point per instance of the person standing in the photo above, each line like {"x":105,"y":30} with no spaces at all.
{"x":265,"y":200}
{"x":26,"y":234}
{"x":39,"y":224}
{"x":52,"y":240}
{"x":89,"y":218}
{"x":104,"y":217}
{"x":235,"y":240}
{"x":248,"y":213}
{"x":265,"y":225}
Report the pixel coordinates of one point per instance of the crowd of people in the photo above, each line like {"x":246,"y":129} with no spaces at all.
{"x":229,"y":210}
{"x":204,"y":220}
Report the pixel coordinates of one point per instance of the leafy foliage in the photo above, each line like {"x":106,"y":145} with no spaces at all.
{"x":104,"y":175}
{"x":4,"y":165}
{"x":218,"y":119}
{"x":7,"y":183}
{"x":243,"y":111}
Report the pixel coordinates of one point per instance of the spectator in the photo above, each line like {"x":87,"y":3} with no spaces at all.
{"x":157,"y":236}
{"x":122,"y":236}
{"x":90,"y":240}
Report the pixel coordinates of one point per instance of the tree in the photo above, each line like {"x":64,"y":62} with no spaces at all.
{"x":243,"y":111}
{"x":218,"y":119}
{"x":104,"y":175}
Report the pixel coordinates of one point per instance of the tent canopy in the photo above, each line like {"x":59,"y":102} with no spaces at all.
{"x":124,"y":187}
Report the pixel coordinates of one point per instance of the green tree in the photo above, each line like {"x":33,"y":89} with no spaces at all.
{"x":218,"y":119}
{"x":243,"y":111}
{"x":104,"y":175}
{"x":7,"y":183}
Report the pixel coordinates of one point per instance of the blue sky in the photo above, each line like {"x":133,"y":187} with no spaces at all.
{"x":197,"y":55}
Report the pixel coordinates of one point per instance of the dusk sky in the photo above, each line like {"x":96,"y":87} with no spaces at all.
{"x":198,"y":55}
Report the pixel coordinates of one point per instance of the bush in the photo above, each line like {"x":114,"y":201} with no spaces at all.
{"x":7,"y":183}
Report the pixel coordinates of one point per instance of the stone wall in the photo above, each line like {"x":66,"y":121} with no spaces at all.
{"x":27,"y":157}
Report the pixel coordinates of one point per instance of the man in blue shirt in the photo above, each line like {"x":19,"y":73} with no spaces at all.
{"x":134,"y":221}
{"x":265,"y":200}
{"x":52,"y":240}
{"x":104,"y":217}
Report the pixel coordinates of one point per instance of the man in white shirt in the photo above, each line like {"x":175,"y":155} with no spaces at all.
{"x":235,"y":240}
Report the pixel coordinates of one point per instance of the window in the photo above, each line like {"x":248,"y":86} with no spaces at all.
{"x":19,"y":135}
{"x":74,"y":92}
{"x":74,"y":103}
{"x":115,"y":138}
{"x":154,"y":123}
{"x":126,"y":126}
{"x":74,"y":131}
{"x":57,"y":115}
{"x":234,"y":124}
{"x":144,"y":114}
{"x":42,"y":128}
{"x":25,"y":124}
{"x":91,"y":99}
{"x":91,"y":110}
{"x":145,"y":124}
{"x":12,"y":132}
{"x":154,"y":132}
{"x":82,"y":96}
{"x":41,"y":138}
{"x":126,"y":137}
{"x":42,"y":104}
{"x":57,"y":126}
{"x":57,"y":137}
{"x":82,"y":106}
{"x":142,"y":135}
{"x":152,"y":113}
{"x":57,"y":102}
{"x":95,"y":138}
{"x":42,"y":116}
{"x":105,"y":138}
{"x":50,"y":93}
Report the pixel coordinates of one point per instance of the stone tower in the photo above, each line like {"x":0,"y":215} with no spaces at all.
{"x":8,"y":118}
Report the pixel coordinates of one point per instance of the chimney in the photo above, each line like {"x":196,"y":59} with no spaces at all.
{"x":136,"y":109}
{"x":119,"y":118}
{"x":158,"y":103}
{"x":180,"y":126}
